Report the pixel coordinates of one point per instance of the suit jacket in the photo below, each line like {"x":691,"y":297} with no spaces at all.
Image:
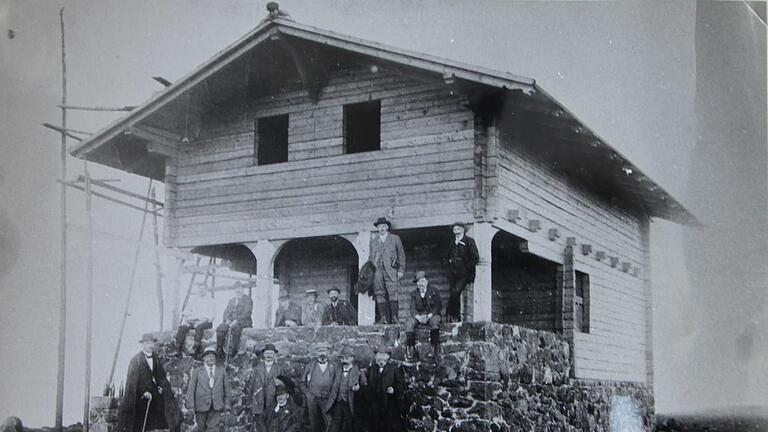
{"x":392,"y":376}
{"x":394,"y":254}
{"x":463,"y":258}
{"x":142,"y":379}
{"x":355,"y":377}
{"x":262,"y":387}
{"x":344,"y":314}
{"x":312,"y":314}
{"x":287,"y":419}
{"x":241,"y":312}
{"x":201,"y":397}
{"x":434,"y":302}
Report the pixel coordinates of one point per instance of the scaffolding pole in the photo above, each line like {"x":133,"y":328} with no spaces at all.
{"x":158,"y":270}
{"x":89,"y":305}
{"x":63,"y":246}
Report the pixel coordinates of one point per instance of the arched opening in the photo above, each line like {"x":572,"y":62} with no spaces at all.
{"x":239,"y":256}
{"x":317,"y":263}
{"x":524,"y":285}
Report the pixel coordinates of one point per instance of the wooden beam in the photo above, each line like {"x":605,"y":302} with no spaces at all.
{"x":160,"y":142}
{"x":311,"y":73}
{"x":553,"y":234}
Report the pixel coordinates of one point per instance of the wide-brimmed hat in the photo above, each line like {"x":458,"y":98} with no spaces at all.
{"x":209,"y":350}
{"x":148,"y":337}
{"x":281,"y":389}
{"x":347,"y":351}
{"x":269,"y":347}
{"x":286,"y":382}
{"x":382,"y":220}
{"x":328,"y":291}
{"x":383,"y":348}
{"x":420,"y":274}
{"x":322,"y":345}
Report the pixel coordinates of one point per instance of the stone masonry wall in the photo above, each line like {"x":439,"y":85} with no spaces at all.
{"x":490,"y":377}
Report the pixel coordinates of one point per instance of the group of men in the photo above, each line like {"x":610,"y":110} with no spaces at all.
{"x":313,"y":313}
{"x":330,"y":390}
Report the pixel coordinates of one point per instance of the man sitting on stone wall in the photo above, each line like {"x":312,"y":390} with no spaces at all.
{"x":426,"y":307}
{"x":288,"y":313}
{"x":338,"y":312}
{"x":312,"y":311}
{"x":237,"y":316}
{"x":198,"y":315}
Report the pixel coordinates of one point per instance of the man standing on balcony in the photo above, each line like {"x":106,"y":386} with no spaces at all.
{"x":197,"y":315}
{"x":388,"y":256}
{"x":462,"y":259}
{"x":426,"y":307}
{"x":237,"y":316}
{"x":338,"y":312}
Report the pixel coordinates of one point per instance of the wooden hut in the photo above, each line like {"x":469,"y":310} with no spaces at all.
{"x":279,"y":153}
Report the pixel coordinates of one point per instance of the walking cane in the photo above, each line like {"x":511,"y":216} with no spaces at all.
{"x":146,"y":413}
{"x":226,"y":354}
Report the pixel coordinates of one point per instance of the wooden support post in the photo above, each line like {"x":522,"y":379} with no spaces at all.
{"x":158,"y":269}
{"x":366,"y":306}
{"x":566,"y":301}
{"x":89,"y":304}
{"x":265,"y":251}
{"x":482,"y":289}
{"x":58,"y":425}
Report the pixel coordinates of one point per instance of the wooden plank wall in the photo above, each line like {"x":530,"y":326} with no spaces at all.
{"x":615,"y":348}
{"x":423,"y":175}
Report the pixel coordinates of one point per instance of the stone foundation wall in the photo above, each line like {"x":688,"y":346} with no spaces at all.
{"x":490,"y":377}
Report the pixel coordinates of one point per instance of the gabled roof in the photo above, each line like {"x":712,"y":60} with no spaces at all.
{"x":599,"y":162}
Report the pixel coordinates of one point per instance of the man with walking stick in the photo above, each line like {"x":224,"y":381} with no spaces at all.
{"x":148,"y":403}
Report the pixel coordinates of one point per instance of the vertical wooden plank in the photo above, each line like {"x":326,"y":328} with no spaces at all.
{"x":645,"y":228}
{"x":567,"y":302}
{"x":482,"y":294}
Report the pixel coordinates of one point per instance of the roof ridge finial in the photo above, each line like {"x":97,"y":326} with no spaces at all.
{"x":274,"y":11}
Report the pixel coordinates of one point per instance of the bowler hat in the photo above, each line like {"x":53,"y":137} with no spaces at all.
{"x":322,"y":345}
{"x":420,"y":274}
{"x":269,"y":347}
{"x":347,"y":351}
{"x":148,"y":337}
{"x":383,"y":220}
{"x":328,"y":291}
{"x":209,"y":350}
{"x":281,"y":389}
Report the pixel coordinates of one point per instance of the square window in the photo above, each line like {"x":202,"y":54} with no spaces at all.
{"x":272,"y":140}
{"x":362,"y":127}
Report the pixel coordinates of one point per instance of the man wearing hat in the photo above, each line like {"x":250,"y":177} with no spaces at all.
{"x":462,"y":259}
{"x":388,"y":256}
{"x":208,"y":393}
{"x":426,"y":308}
{"x":146,"y":386}
{"x":386,"y":384}
{"x":338,"y":312}
{"x":198,"y":315}
{"x":348,"y":382}
{"x":262,"y":387}
{"x":288,"y":313}
{"x":319,"y":376}
{"x":237,"y":316}
{"x":285,"y":416}
{"x":312,"y":310}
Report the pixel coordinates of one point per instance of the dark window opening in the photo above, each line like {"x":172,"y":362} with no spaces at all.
{"x":272,"y":140}
{"x":362,"y":127}
{"x":581,"y":315}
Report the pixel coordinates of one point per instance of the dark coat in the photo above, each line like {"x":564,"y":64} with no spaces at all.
{"x":434,"y":302}
{"x":364,"y":283}
{"x":463,"y":258}
{"x":355,"y":377}
{"x":241,"y":313}
{"x":291,"y":313}
{"x":261,"y":387}
{"x":386,"y":409}
{"x":287,"y":419}
{"x":394,"y":254}
{"x":342,"y":314}
{"x":201,"y":397}
{"x":164,"y":413}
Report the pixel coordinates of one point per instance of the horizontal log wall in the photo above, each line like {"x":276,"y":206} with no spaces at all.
{"x":615,"y":348}
{"x":422,"y":176}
